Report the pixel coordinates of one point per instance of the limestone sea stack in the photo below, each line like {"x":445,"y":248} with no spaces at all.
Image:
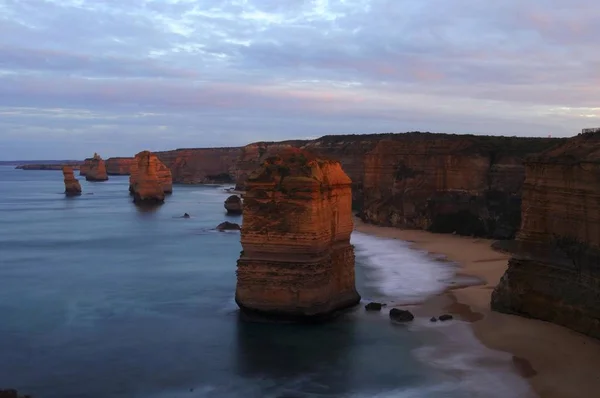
{"x":554,"y":272}
{"x":162,"y":172}
{"x":95,"y":169}
{"x":297,"y":262}
{"x":233,"y":205}
{"x":146,"y":186}
{"x":72,"y":186}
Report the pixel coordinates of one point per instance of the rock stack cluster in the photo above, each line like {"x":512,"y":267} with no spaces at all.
{"x":297,"y":260}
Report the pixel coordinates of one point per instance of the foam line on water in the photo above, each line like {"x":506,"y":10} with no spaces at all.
{"x":397,"y":272}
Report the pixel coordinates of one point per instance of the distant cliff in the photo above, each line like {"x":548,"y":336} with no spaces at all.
{"x":50,"y":166}
{"x":554,"y":273}
{"x":439,"y":182}
{"x":118,"y":166}
{"x":201,"y":165}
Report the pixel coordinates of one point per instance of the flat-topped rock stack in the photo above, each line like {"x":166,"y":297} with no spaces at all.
{"x":297,"y":261}
{"x":163,"y":173}
{"x":146,"y":183}
{"x":94,"y":169}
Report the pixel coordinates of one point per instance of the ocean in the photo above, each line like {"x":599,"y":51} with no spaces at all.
{"x":99,"y":298}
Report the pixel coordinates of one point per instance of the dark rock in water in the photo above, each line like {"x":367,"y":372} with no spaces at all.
{"x":10,"y":393}
{"x":234,"y":205}
{"x":228,"y":226}
{"x":399,"y":315}
{"x":433,"y":319}
{"x":373,"y":307}
{"x":186,"y":215}
{"x":445,"y":317}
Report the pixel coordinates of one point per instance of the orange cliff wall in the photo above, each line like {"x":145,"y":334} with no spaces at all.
{"x":554,"y":273}
{"x":201,"y":165}
{"x":118,"y":166}
{"x":297,"y":261}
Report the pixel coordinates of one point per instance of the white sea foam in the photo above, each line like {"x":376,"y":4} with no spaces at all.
{"x":397,"y":272}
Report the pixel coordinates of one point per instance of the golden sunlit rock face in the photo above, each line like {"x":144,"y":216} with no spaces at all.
{"x":297,"y":260}
{"x":147,"y":181}
{"x":72,"y":186}
{"x":94,"y":169}
{"x":162,"y":172}
{"x":554,"y":273}
{"x":118,"y":166}
{"x":201,"y":165}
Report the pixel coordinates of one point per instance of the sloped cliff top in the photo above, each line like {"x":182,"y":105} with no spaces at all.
{"x":584,"y":147}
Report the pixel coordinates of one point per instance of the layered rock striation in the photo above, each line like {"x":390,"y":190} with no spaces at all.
{"x":72,"y":186}
{"x":554,"y":272}
{"x":159,"y":169}
{"x":119,"y":166}
{"x":146,"y":184}
{"x":94,"y":169}
{"x":297,"y":261}
{"x":201,"y":165}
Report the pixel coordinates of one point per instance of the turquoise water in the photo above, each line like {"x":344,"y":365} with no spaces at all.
{"x":101,"y":299}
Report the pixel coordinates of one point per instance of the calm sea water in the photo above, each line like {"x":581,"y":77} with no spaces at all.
{"x":101,"y":299}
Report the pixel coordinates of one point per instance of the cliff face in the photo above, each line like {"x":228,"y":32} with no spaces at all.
{"x":297,"y":261}
{"x":201,"y":165}
{"x":48,"y":166}
{"x":147,"y":186}
{"x":159,"y":169}
{"x":554,"y":273}
{"x":118,"y":166}
{"x":447,"y":183}
{"x":95,"y":169}
{"x":72,"y":186}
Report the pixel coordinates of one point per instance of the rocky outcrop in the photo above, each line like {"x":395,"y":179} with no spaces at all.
{"x":146,"y":185}
{"x":119,"y":166}
{"x":554,"y":272}
{"x":228,"y":226}
{"x":446,"y":183}
{"x":94,"y":169}
{"x":201,"y":165}
{"x":72,"y":186}
{"x":233,"y":205}
{"x":162,"y":172}
{"x":297,"y":261}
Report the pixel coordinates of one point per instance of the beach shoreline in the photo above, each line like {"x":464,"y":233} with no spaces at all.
{"x":557,"y":362}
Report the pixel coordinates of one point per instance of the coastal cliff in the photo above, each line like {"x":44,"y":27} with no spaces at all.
{"x":554,"y":273}
{"x":201,"y":165}
{"x":158,"y":169}
{"x":297,"y":261}
{"x":49,"y":166}
{"x":118,"y":166}
{"x":95,"y":169}
{"x":72,"y":185}
{"x":147,"y":184}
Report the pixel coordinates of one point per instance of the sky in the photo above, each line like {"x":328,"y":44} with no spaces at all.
{"x":118,"y":77}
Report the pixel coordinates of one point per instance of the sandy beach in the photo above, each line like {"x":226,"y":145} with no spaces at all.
{"x":557,"y":362}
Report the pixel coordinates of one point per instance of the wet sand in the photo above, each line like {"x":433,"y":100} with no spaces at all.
{"x":557,"y":362}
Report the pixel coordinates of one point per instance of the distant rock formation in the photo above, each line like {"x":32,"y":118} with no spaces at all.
{"x":49,"y":166}
{"x":201,"y":165}
{"x":72,"y":186}
{"x":554,"y":273}
{"x":94,"y":169}
{"x":146,"y":186}
{"x":118,"y":166}
{"x":163,"y":173}
{"x":297,"y":261}
{"x":233,"y":205}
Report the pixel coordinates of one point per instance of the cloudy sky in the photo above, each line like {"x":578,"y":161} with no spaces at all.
{"x":119,"y":76}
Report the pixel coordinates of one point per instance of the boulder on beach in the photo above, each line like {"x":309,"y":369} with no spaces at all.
{"x":445,"y":317}
{"x":228,"y":226}
{"x":399,"y":315}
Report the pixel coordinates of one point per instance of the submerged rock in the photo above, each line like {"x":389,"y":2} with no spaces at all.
{"x":373,"y":306}
{"x":72,"y":186}
{"x":228,"y":226}
{"x":233,"y":205}
{"x":399,"y":315}
{"x":433,"y":319}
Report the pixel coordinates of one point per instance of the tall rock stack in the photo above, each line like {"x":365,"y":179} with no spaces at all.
{"x":162,"y":172}
{"x":554,"y":273}
{"x":72,"y":186}
{"x":297,"y":261}
{"x":95,"y":169}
